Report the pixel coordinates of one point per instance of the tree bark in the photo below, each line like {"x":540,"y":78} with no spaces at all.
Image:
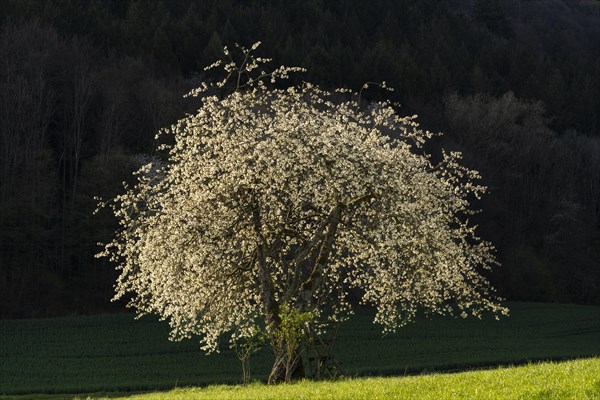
{"x":271,"y":308}
{"x":279,"y":371}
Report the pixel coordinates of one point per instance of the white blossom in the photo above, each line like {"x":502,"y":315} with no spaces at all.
{"x":287,"y":195}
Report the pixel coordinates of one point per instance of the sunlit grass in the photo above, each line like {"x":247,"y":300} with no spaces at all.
{"x":563,"y":380}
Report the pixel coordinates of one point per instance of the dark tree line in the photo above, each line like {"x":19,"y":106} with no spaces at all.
{"x":85,"y":85}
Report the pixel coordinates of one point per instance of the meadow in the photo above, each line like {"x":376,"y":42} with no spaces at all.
{"x":575,"y":380}
{"x":115,"y":353}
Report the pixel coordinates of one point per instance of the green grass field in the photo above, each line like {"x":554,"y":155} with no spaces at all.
{"x":576,"y":380}
{"x":116,"y":353}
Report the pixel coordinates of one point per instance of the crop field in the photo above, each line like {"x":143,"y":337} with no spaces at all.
{"x":115,"y":353}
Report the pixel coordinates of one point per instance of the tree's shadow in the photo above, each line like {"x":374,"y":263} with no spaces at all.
{"x":387,"y":373}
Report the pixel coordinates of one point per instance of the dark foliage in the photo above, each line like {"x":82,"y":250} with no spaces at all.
{"x":85,"y":85}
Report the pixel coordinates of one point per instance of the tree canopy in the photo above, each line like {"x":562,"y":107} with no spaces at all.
{"x":277,"y":198}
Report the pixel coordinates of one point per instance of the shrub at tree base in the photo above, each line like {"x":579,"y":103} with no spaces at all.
{"x":273,"y":203}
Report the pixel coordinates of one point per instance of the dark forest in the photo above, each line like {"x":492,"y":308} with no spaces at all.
{"x":86,"y":85}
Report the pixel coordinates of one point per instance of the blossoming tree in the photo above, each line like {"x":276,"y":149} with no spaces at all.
{"x":275,"y":199}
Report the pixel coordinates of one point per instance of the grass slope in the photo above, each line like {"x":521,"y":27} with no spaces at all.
{"x":575,"y":380}
{"x":117,"y":353}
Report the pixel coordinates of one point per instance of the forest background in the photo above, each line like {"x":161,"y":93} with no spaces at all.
{"x":86,"y":84}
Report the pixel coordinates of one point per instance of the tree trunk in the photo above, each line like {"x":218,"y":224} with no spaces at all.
{"x":280,"y":372}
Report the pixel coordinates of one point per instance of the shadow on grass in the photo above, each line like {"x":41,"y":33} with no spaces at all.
{"x":73,"y":396}
{"x":387,"y":372}
{"x":458,"y":367}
